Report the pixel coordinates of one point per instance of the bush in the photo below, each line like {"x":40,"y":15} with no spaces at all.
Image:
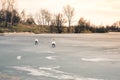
{"x":86,"y":31}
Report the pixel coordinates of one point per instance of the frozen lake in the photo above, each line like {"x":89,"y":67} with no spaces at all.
{"x":76,"y":57}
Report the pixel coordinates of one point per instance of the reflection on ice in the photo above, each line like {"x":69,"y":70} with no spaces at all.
{"x":51,"y":57}
{"x":50,"y":52}
{"x":51,"y":69}
{"x":74,"y":51}
{"x":32,"y":71}
{"x":98,"y":59}
{"x":8,"y":77}
{"x":18,"y":57}
{"x":51,"y":72}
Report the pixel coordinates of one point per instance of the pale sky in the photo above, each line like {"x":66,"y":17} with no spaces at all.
{"x":99,"y":12}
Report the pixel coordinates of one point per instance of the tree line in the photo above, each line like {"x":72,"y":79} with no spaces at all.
{"x":46,"y":22}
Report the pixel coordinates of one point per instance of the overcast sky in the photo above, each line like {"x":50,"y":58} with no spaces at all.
{"x":99,"y":12}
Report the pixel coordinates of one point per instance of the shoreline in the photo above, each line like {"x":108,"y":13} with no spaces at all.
{"x":30,"y":33}
{"x":16,"y":33}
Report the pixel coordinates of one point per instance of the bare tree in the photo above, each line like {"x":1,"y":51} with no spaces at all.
{"x":83,"y":25}
{"x":39,"y":19}
{"x":10,"y":8}
{"x":117,"y":23}
{"x":69,"y":12}
{"x":3,"y":3}
{"x":23,"y":16}
{"x":42,"y":13}
{"x":82,"y":22}
{"x":60,"y":20}
{"x":48,"y":18}
{"x":44,"y":17}
{"x":30,"y":20}
{"x":11,"y":4}
{"x":57,"y":22}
